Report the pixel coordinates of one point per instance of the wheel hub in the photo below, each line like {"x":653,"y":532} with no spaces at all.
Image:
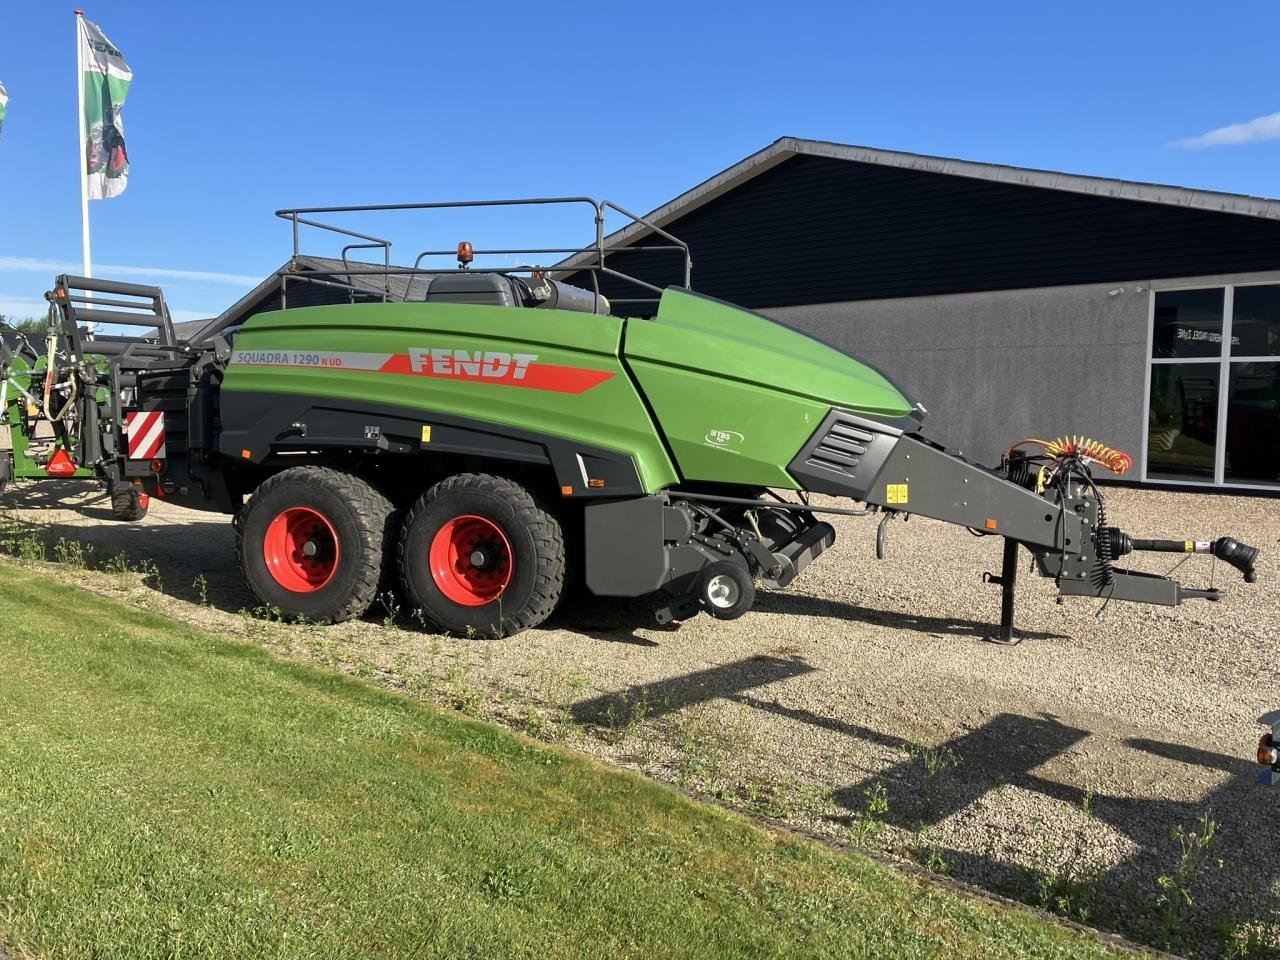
{"x":723,"y":591}
{"x":470,"y":560}
{"x":301,"y":550}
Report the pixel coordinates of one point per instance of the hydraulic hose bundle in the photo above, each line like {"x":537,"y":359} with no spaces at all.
{"x":1081,"y":448}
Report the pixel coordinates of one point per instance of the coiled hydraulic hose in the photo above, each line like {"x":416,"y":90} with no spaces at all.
{"x":1083,"y":447}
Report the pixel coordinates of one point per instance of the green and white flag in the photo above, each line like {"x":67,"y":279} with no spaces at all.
{"x":106,"y":83}
{"x":4,"y":102}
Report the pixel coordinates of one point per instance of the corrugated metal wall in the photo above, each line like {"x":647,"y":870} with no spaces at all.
{"x":819,"y":230}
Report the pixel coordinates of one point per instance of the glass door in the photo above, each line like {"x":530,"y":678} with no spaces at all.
{"x":1213,"y":411}
{"x":1253,"y":388}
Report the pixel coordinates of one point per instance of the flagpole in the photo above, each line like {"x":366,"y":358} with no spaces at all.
{"x":84,"y":139}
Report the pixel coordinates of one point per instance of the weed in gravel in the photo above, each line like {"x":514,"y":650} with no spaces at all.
{"x":460,"y":690}
{"x":623,"y":718}
{"x":420,"y":618}
{"x":72,"y":553}
{"x":118,"y":564}
{"x":935,"y":760}
{"x":151,"y":575}
{"x":30,"y":548}
{"x":421,"y":685}
{"x":869,"y":822}
{"x":1236,"y":940}
{"x":533,"y":723}
{"x":700,"y":741}
{"x":1069,"y":885}
{"x":936,"y":860}
{"x":392,"y":608}
{"x":562,"y":693}
{"x":1175,"y":898}
{"x":792,"y":798}
{"x":258,"y":622}
{"x":762,"y":797}
{"x":201,"y":586}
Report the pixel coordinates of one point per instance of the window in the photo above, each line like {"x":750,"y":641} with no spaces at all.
{"x":1213,"y":410}
{"x":1188,"y":323}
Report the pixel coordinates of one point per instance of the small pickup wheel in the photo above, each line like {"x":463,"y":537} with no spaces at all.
{"x":128,"y":502}
{"x":725,"y":590}
{"x":479,"y":556}
{"x":311,"y":543}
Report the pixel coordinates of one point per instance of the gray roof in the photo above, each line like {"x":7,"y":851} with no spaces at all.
{"x":787,"y":147}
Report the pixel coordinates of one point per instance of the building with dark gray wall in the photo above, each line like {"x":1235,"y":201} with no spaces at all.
{"x":1012,"y":303}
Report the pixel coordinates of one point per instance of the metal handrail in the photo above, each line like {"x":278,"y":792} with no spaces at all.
{"x":593,"y":255}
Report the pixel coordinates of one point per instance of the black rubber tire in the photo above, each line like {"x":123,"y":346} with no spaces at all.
{"x":127,"y":501}
{"x":362,"y":521}
{"x":537,"y":555}
{"x":741,"y":580}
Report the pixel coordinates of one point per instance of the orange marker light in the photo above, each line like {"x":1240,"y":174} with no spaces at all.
{"x":465,"y":252}
{"x":1267,"y":750}
{"x":991,"y":523}
{"x":246,"y":454}
{"x":593,"y":482}
{"x":566,"y":491}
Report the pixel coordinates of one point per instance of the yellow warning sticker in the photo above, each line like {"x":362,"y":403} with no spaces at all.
{"x":426,"y":433}
{"x":895,"y":493}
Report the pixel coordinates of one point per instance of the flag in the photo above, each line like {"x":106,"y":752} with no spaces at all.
{"x":4,"y":102}
{"x":106,"y":83}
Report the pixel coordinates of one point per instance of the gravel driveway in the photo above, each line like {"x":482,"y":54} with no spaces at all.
{"x":1103,"y":768}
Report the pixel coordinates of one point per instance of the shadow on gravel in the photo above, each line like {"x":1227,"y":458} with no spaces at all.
{"x":667,"y":696}
{"x":188,"y":559}
{"x":802,"y":605}
{"x":1157,"y":895}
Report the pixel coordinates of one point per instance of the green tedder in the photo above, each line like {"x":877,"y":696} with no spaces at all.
{"x":486,"y":432}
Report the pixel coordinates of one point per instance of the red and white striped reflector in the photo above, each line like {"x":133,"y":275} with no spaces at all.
{"x":146,"y":435}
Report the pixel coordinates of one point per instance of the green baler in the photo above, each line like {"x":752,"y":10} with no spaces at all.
{"x":497,"y":431}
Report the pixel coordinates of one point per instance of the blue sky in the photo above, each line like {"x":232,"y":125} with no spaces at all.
{"x":240,"y":108}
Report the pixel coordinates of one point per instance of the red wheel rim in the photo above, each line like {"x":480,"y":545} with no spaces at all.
{"x":470,"y":560}
{"x":301,"y":550}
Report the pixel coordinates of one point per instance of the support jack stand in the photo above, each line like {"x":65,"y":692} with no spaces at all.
{"x":1007,"y":580}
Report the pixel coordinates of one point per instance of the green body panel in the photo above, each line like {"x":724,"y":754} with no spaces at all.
{"x":726,"y":431}
{"x":609,"y":414}
{"x":737,"y":394}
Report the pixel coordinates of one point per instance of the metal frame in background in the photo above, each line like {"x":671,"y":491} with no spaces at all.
{"x":72,"y":301}
{"x":1224,"y":360}
{"x":593,"y":256}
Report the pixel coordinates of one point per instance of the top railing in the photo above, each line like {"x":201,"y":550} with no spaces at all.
{"x":589,"y":259}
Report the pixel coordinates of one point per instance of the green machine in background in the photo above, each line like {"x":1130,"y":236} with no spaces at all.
{"x":483,"y":434}
{"x":35,"y":446}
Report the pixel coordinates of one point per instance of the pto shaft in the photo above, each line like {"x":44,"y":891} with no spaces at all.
{"x":1230,"y":551}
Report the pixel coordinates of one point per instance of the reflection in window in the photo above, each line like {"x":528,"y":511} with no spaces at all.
{"x":1188,"y":323}
{"x":1253,"y":423}
{"x":1255,"y":322}
{"x":1182,"y":429}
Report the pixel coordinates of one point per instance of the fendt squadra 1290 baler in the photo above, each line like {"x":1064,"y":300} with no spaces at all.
{"x":478,"y":433}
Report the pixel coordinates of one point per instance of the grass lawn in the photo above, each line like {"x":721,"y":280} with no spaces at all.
{"x":165,"y":792}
